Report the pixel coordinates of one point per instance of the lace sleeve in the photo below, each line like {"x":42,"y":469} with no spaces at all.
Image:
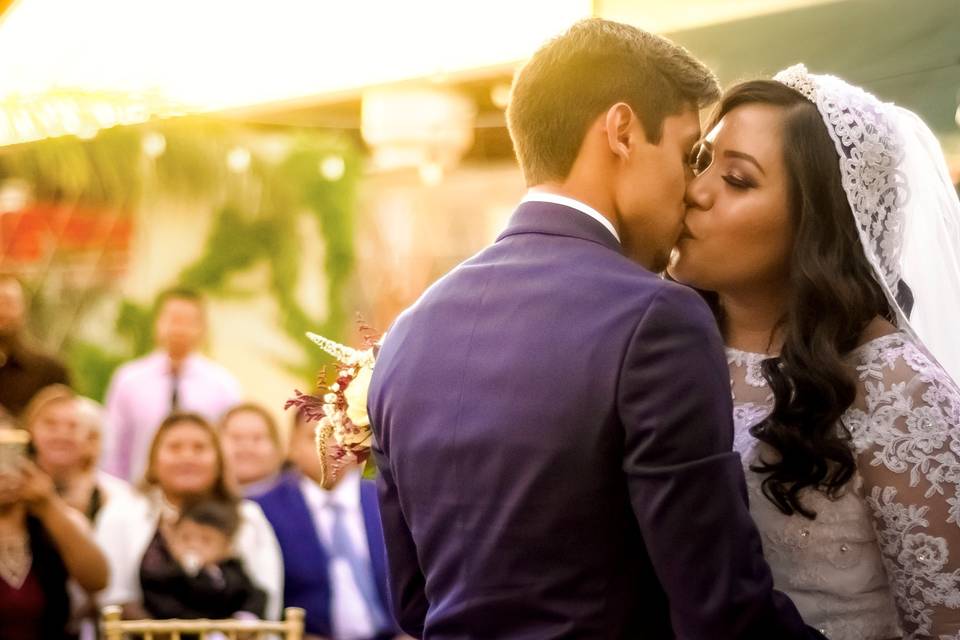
{"x":908,"y":441}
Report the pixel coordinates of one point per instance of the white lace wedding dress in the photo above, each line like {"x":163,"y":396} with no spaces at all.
{"x":877,"y":562}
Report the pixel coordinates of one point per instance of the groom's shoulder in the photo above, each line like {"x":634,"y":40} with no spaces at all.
{"x":631,"y":279}
{"x":654,"y":297}
{"x":437,"y":289}
{"x":673,"y":300}
{"x":593,"y":270}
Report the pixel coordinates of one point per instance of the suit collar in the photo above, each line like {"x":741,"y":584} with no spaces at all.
{"x":554,"y":198}
{"x":555,"y":219}
{"x":346,"y":493}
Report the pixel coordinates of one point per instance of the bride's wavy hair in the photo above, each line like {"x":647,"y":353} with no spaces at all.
{"x":833,"y":297}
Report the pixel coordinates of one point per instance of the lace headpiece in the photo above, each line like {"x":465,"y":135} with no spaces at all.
{"x":864,"y":132}
{"x":906,"y":208}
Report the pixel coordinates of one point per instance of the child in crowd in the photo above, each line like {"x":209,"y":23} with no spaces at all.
{"x":189,"y":570}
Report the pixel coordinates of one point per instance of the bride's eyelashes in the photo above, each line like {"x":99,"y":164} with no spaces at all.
{"x":738,"y":183}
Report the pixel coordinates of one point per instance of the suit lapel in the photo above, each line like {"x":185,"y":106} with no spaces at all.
{"x":374,"y":530}
{"x":301,"y":519}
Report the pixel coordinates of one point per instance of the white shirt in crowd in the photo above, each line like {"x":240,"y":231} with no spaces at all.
{"x":349,"y":613}
{"x":140,"y":396}
{"x":111,"y":488}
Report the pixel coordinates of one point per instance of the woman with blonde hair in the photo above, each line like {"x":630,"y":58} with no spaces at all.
{"x":65,"y":430}
{"x":251,"y":443}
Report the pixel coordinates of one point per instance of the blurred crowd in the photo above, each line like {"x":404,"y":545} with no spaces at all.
{"x":174,"y":499}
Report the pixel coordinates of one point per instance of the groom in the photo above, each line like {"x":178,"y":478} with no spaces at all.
{"x":553,"y":419}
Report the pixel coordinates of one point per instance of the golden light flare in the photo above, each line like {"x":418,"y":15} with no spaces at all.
{"x":72,"y":68}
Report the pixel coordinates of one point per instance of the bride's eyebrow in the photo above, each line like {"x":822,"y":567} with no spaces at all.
{"x":744,"y":156}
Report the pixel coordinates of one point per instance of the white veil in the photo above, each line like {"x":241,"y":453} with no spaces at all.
{"x":905,"y":205}
{"x":931,"y":243}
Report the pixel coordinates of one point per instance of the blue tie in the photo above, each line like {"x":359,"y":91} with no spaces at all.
{"x":342,"y":547}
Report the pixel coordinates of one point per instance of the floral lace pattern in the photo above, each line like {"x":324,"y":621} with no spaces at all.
{"x":876,"y":562}
{"x":751,"y":363}
{"x":870,"y":154}
{"x":747,"y":413}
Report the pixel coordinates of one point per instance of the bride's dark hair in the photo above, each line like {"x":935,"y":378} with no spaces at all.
{"x":833,"y":296}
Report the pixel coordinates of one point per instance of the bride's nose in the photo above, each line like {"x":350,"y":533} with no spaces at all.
{"x":697,"y":195}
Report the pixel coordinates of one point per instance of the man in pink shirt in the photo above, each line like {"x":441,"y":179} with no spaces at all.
{"x":172,"y":378}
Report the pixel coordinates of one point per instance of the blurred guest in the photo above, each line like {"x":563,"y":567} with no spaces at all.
{"x":64,"y":428}
{"x":92,"y":415}
{"x":185,"y":463}
{"x":173,"y":378}
{"x":251,"y":444}
{"x":343,"y":586}
{"x":65,"y":431}
{"x":43,"y":544}
{"x":24,"y":370}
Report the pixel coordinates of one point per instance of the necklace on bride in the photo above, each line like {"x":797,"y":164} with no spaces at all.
{"x":15,"y":559}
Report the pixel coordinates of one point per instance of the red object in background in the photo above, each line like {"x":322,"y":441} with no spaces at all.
{"x":36,"y":232}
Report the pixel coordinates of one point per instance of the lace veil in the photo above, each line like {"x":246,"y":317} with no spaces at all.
{"x":906,"y":207}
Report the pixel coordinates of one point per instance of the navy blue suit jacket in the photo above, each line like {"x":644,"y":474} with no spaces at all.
{"x":554,"y":438}
{"x":306,"y":580}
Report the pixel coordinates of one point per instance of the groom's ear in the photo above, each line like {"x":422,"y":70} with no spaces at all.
{"x":621,"y":129}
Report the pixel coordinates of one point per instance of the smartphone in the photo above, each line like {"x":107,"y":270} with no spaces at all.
{"x":13,"y":448}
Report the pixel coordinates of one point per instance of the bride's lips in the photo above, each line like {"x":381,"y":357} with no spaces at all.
{"x":685,"y":234}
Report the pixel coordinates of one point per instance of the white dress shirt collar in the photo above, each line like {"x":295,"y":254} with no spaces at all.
{"x":346,"y":494}
{"x":160,"y":359}
{"x":534,"y":195}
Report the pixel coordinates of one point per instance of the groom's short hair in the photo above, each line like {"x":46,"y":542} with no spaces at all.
{"x":580,"y":74}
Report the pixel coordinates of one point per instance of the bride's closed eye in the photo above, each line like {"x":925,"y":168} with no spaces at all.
{"x":737,"y":182}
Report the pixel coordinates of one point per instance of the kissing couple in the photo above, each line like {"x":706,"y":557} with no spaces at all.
{"x":700,"y":386}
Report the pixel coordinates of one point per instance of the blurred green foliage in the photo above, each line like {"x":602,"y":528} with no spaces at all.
{"x":256,"y":219}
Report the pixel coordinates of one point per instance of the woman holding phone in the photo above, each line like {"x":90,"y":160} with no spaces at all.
{"x":43,"y":543}
{"x":65,"y":432}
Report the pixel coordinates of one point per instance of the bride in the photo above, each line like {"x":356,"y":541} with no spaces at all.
{"x":824,"y":232}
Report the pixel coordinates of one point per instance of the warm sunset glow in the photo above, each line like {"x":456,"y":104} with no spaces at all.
{"x":218,"y":54}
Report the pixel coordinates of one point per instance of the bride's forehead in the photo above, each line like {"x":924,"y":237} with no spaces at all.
{"x":750,"y":120}
{"x":753,"y":128}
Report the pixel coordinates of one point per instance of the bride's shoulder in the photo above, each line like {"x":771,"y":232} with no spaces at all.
{"x":903,"y":395}
{"x":893,"y":358}
{"x":883,"y":347}
{"x":893,"y":363}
